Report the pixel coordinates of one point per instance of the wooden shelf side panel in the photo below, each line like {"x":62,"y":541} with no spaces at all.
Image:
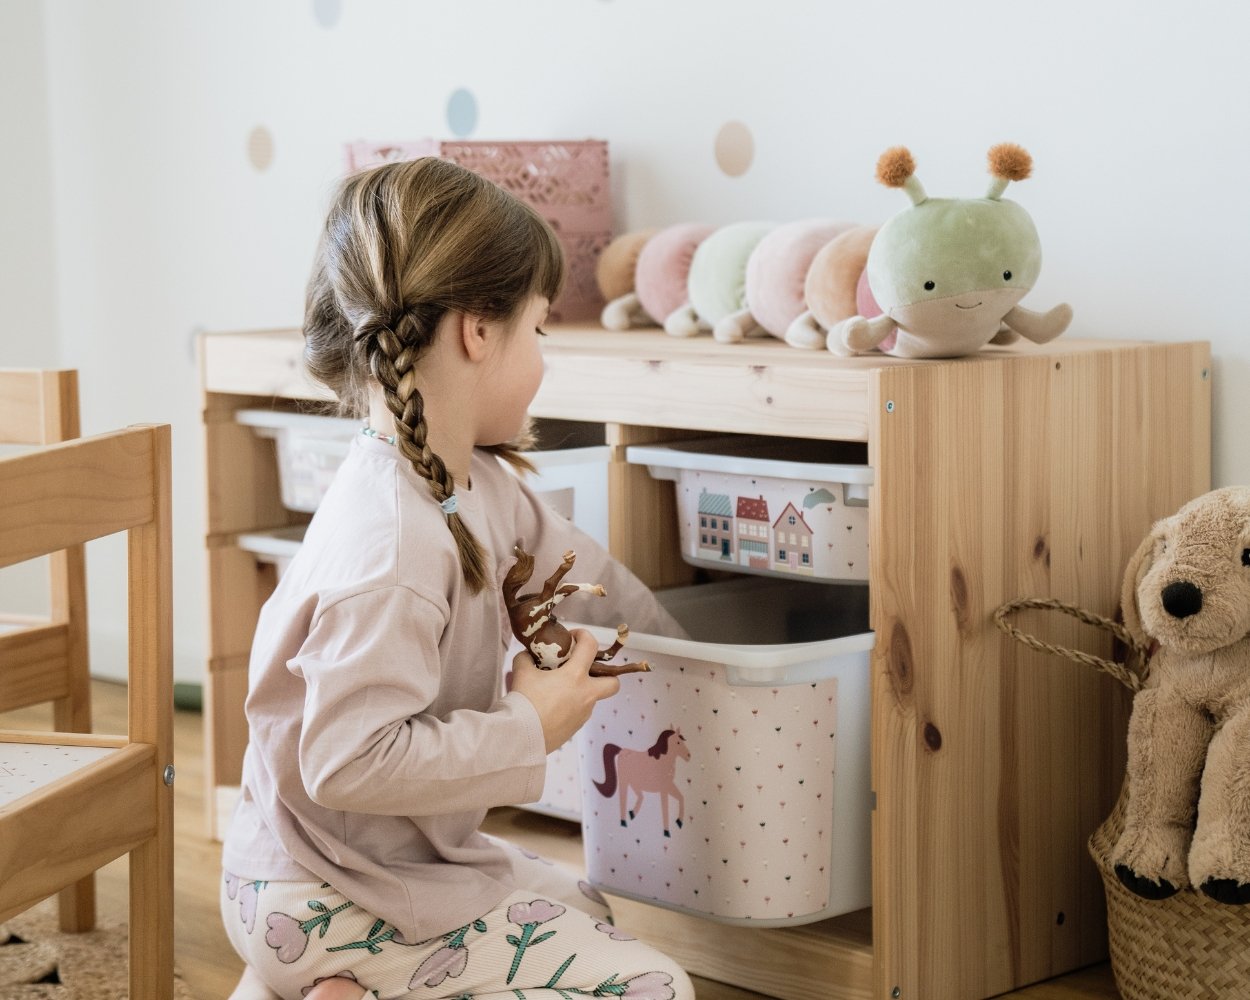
{"x":992,"y":765}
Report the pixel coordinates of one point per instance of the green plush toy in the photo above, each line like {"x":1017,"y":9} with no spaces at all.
{"x":948,"y":272}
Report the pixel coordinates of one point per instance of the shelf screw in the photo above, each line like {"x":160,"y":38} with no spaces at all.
{"x":889,"y":406}
{"x":896,"y":993}
{"x":1205,"y":373}
{"x":169,"y":774}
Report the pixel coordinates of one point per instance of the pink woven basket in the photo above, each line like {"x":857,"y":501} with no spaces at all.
{"x":566,"y":181}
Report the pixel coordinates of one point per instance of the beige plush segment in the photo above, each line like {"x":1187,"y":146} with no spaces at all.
{"x":834,"y":273}
{"x":614,"y":271}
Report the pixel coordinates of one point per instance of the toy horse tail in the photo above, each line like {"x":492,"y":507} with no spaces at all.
{"x":517,"y":577}
{"x":607,"y":787}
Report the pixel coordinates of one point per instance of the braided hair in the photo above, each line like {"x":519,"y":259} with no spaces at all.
{"x":404,"y":244}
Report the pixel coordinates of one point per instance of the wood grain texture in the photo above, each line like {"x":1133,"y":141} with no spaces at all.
{"x":55,"y":836}
{"x":40,"y":407}
{"x":992,"y":766}
{"x":101,"y":480}
{"x":68,"y":829}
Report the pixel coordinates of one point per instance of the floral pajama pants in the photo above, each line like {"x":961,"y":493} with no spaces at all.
{"x":551,"y":941}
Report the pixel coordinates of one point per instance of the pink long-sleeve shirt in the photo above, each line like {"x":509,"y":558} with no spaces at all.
{"x":378,"y":736}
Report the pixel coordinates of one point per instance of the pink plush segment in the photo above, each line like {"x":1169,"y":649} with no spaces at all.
{"x":777,"y":270}
{"x":868,"y":308}
{"x":663,"y":266}
{"x":864,"y":301}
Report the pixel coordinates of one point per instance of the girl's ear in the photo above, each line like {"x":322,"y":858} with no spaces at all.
{"x":1136,"y":570}
{"x":474,"y":335}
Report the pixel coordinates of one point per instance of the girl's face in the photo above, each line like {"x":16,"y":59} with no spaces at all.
{"x":513,"y":375}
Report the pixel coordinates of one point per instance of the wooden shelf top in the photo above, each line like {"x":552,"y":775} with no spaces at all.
{"x":647,"y":378}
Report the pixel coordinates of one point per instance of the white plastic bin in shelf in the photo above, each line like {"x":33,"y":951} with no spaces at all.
{"x":310,"y":450}
{"x":572,"y":477}
{"x":774,"y":507}
{"x":732,"y":781}
{"x":277,"y":546}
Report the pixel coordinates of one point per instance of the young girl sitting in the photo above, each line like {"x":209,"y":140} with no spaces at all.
{"x":379,"y":734}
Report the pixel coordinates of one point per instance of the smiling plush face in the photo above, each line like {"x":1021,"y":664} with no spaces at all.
{"x":1190,"y":579}
{"x":954,"y":267}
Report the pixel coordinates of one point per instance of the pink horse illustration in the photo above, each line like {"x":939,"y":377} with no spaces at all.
{"x":645,"y":771}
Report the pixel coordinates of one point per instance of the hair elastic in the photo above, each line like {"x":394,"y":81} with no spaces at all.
{"x":449,"y":505}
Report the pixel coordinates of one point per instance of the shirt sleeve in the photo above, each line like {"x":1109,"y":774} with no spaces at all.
{"x":368,"y":744}
{"x":548,"y":535}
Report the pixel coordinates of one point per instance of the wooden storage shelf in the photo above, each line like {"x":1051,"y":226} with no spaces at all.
{"x":1021,"y":471}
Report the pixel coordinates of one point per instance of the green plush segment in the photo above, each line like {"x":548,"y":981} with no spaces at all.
{"x":960,"y":244}
{"x":718,"y":271}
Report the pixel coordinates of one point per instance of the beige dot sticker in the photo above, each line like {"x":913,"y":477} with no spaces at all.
{"x":260,"y":148}
{"x":735,"y":148}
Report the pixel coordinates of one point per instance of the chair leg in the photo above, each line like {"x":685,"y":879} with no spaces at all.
{"x":152,"y":917}
{"x":76,"y":904}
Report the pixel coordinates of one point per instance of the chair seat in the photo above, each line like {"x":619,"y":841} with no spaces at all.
{"x":27,"y":767}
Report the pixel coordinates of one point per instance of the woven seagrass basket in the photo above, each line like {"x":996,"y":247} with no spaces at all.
{"x":1185,"y":947}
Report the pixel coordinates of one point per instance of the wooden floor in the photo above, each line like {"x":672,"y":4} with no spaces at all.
{"x":204,"y":956}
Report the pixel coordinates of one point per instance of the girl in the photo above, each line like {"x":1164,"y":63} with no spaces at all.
{"x":378,"y":736}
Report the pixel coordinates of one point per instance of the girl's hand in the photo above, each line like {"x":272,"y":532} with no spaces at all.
{"x":564,"y":697}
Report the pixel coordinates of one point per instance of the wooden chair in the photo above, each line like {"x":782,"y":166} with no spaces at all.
{"x":45,"y":659}
{"x":71,"y":803}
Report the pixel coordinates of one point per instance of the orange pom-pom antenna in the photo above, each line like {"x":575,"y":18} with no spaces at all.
{"x":1010,"y":162}
{"x":895,"y":166}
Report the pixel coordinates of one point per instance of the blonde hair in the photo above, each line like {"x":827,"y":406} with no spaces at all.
{"x":405,"y":243}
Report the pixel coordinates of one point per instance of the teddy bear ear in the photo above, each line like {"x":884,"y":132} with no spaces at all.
{"x":1136,"y":570}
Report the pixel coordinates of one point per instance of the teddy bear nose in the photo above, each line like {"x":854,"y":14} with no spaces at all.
{"x":1182,"y":599}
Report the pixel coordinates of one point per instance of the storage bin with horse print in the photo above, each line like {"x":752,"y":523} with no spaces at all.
{"x":732,"y":781}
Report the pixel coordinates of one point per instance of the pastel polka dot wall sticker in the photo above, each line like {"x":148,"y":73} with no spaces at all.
{"x":327,"y":12}
{"x":260,"y":147}
{"x":462,"y":112}
{"x":735,"y":148}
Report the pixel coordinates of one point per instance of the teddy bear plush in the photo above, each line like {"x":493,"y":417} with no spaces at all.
{"x":1187,"y":592}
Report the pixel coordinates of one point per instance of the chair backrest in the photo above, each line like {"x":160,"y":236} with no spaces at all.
{"x":47,"y":661}
{"x":64,"y":495}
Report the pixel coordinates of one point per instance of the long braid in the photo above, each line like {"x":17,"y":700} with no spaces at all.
{"x":403,"y":244}
{"x":396,"y":348}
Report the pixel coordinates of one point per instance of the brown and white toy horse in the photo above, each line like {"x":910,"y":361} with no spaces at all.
{"x":535,"y":625}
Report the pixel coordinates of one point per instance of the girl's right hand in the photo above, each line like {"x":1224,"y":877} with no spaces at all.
{"x":563,"y":697}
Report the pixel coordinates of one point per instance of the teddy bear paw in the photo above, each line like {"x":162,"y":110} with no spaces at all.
{"x":1144,"y":887}
{"x":1227,"y":890}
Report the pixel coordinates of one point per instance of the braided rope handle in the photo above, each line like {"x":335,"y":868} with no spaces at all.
{"x":1129,"y":678}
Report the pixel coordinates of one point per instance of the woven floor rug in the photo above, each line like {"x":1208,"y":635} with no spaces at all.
{"x":38,"y":962}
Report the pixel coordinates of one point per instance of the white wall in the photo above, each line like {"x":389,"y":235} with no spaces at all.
{"x":1135,"y":116}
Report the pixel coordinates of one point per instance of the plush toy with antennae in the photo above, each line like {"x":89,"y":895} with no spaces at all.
{"x":949,"y":273}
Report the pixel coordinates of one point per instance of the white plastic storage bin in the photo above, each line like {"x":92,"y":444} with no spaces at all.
{"x":732,"y":781}
{"x":277,"y":547}
{"x":310,"y":450}
{"x":776,"y":507}
{"x":572,"y":473}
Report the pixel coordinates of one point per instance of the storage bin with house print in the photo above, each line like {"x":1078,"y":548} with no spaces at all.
{"x":777,"y":507}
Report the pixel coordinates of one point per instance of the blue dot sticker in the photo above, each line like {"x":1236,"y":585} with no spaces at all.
{"x":462,"y":113}
{"x":327,"y":12}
